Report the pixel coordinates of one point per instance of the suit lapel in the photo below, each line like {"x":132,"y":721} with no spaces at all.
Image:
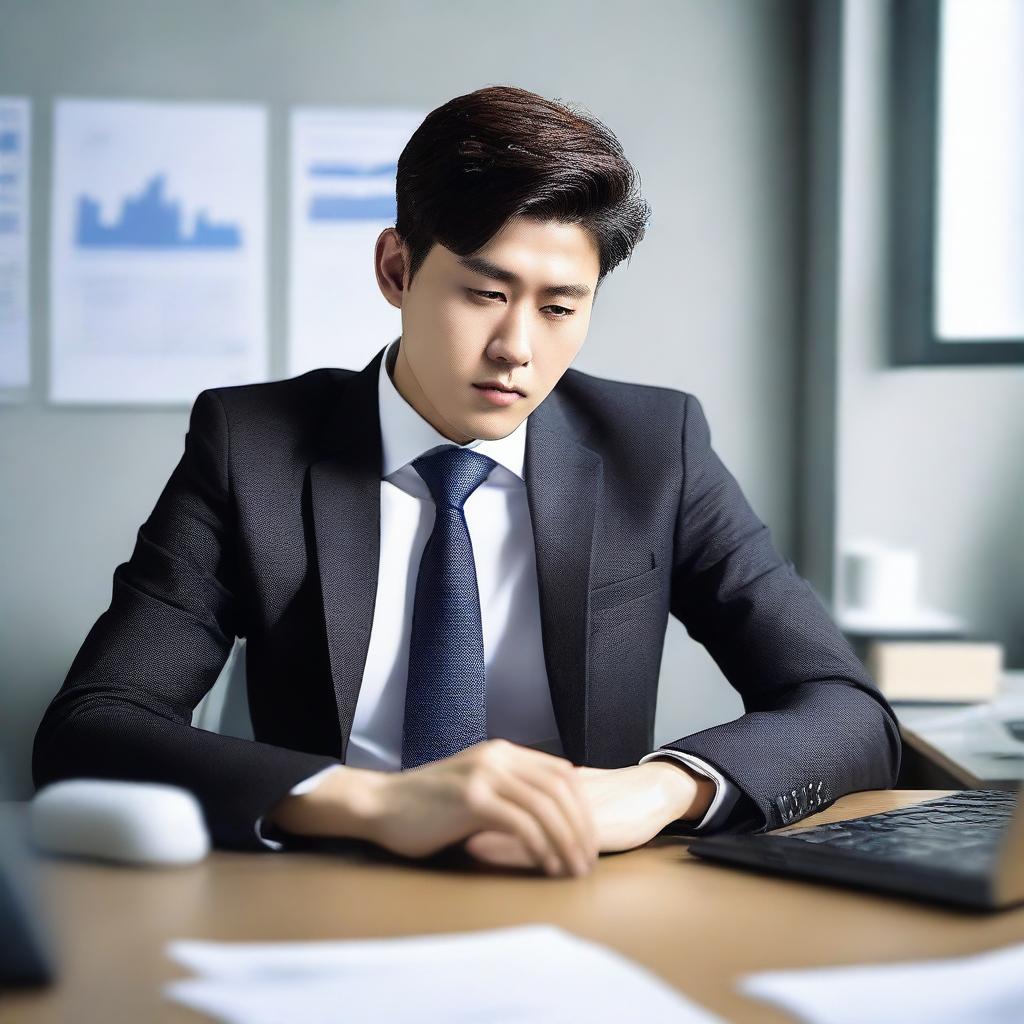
{"x":563,"y":482}
{"x":345,"y":492}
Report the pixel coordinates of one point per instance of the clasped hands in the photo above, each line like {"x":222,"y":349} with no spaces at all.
{"x":623,"y":807}
{"x":513,"y":806}
{"x":508,"y":805}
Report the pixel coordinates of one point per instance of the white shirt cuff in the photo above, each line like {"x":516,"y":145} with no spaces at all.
{"x":726,"y":792}
{"x":297,"y":790}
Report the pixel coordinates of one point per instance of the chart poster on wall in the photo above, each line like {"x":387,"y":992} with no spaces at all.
{"x":15,"y":147}
{"x":343,"y":166}
{"x":158,"y":250}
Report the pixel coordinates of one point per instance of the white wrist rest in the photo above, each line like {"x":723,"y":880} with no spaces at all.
{"x":126,"y":822}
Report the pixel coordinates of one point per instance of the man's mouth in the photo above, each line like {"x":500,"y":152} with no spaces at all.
{"x":496,"y":385}
{"x":498,"y":393}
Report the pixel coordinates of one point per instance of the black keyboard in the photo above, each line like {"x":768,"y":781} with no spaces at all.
{"x":946,"y":850}
{"x":962,"y":831}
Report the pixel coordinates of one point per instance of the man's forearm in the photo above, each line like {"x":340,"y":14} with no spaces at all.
{"x":684,"y":793}
{"x":632,"y":805}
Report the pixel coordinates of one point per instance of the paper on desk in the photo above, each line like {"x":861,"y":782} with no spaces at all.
{"x":538,"y":973}
{"x":987,"y":988}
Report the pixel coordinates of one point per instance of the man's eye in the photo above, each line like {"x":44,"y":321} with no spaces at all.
{"x":561,"y":311}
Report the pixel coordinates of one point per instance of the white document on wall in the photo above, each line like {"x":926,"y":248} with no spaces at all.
{"x":343,"y":166}
{"x":158,"y":250}
{"x":538,"y":973}
{"x":15,"y":150}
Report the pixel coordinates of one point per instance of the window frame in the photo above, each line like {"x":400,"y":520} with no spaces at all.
{"x":914,"y":82}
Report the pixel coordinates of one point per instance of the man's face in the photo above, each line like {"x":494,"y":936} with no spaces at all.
{"x":514,"y":314}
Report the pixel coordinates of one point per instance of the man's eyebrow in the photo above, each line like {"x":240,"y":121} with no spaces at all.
{"x":488,"y":269}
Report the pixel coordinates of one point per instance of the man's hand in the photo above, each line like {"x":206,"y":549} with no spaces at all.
{"x":495,"y":785}
{"x":629,"y":805}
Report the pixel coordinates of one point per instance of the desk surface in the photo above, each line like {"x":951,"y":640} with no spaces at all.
{"x":696,"y":925}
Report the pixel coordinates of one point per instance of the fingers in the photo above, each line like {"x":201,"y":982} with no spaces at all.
{"x":563,"y":781}
{"x":549,"y":791}
{"x":565,"y":789}
{"x":572,"y":854}
{"x":501,"y":849}
{"x":507,"y":816}
{"x":540,"y":799}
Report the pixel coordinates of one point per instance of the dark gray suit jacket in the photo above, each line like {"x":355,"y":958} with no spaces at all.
{"x":269,"y":529}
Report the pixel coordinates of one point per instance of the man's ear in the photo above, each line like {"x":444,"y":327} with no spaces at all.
{"x":391,"y":265}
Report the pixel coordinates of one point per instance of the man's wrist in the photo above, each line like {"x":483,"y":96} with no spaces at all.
{"x":345,"y":804}
{"x":687,"y":794}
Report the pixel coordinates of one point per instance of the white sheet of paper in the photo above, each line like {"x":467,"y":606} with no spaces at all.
{"x":343,"y":166}
{"x":538,"y":973}
{"x":15,"y":147}
{"x":987,"y":988}
{"x":158,"y":250}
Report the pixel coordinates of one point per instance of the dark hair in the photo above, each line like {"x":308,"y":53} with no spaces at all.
{"x":501,"y":152}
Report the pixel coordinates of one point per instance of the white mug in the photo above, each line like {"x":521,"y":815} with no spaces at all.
{"x":880,"y":577}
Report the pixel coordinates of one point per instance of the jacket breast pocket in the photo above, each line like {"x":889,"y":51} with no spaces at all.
{"x":624,"y":591}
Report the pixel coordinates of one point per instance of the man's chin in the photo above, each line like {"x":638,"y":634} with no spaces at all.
{"x":493,"y":426}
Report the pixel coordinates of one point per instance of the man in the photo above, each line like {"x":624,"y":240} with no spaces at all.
{"x":454,"y":567}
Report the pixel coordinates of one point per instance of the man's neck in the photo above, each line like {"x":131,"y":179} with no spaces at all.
{"x":408,"y":387}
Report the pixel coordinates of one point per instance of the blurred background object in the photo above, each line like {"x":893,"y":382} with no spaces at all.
{"x":881,"y":592}
{"x":770,"y":284}
{"x":28,"y":952}
{"x":113,"y":820}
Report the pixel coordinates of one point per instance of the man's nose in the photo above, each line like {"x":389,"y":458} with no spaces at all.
{"x":512,"y":345}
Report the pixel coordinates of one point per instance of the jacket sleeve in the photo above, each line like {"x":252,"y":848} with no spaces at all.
{"x":125,"y":709}
{"x":815,"y":725}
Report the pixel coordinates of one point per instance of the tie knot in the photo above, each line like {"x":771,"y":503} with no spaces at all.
{"x":453,"y":474}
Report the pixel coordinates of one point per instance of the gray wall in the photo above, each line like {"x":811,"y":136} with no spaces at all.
{"x":930,"y":457}
{"x":707,"y":99}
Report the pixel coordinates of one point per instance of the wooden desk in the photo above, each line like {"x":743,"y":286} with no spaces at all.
{"x":696,"y":925}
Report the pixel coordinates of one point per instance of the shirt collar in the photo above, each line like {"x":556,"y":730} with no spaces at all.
{"x":405,"y":435}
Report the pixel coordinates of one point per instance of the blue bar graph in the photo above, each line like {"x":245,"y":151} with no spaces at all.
{"x":342,"y":170}
{"x":8,"y":223}
{"x":9,"y":141}
{"x":353,"y":208}
{"x":150,"y":222}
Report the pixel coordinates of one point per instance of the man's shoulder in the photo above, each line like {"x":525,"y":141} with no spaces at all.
{"x":588,"y":400}
{"x":285,"y":416}
{"x":590,"y":383}
{"x":295,"y":390}
{"x":288,"y":401}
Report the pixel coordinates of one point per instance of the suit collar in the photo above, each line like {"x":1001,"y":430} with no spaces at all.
{"x":563,"y":480}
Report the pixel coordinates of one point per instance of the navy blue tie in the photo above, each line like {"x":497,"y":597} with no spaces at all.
{"x":446,"y":695}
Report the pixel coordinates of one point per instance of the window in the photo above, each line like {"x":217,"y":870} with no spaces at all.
{"x":957,"y":178}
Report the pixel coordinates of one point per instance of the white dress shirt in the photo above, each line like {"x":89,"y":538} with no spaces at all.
{"x":518,"y":696}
